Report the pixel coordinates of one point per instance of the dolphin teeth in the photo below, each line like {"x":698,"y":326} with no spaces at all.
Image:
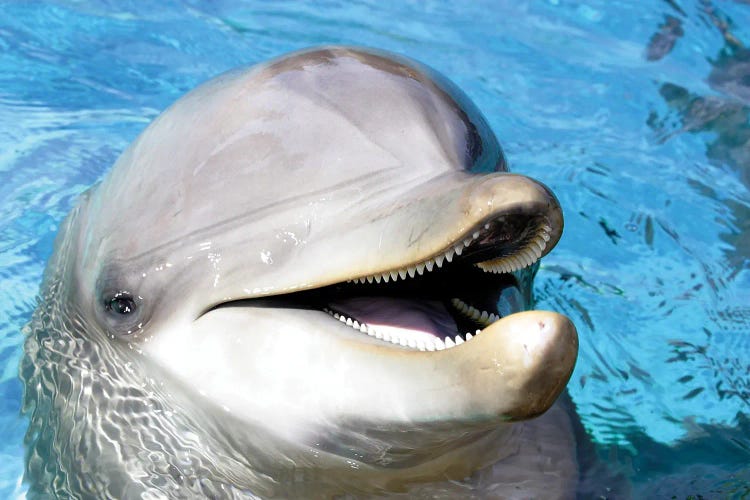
{"x":515,"y":264}
{"x":439,"y":260}
{"x":458,"y":250}
{"x":420,"y":344}
{"x":420,"y":269}
{"x":531,"y":252}
{"x":429,"y":264}
{"x":449,"y":343}
{"x":539,"y":243}
{"x":531,"y":255}
{"x":468,"y":241}
{"x":394,"y":275}
{"x":412,"y":270}
{"x":469,"y":337}
{"x":449,"y":255}
{"x":402,"y":273}
{"x":459,"y":340}
{"x":439,"y":344}
{"x":520,"y":261}
{"x":486,"y":318}
{"x":525,"y":259}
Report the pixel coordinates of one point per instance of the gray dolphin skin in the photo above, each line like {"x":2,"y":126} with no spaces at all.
{"x":306,"y":278}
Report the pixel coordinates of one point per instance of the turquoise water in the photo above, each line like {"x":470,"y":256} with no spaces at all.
{"x":634,"y":113}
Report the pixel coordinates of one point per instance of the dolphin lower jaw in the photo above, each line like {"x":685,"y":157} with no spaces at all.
{"x":310,"y":380}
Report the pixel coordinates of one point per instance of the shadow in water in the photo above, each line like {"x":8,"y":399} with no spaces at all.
{"x":710,"y":462}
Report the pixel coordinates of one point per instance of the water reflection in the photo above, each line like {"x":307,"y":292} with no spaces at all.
{"x":722,"y":120}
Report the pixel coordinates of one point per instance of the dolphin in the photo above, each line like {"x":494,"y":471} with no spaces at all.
{"x":306,"y":278}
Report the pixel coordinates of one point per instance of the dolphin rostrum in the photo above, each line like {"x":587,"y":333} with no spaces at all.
{"x":304,"y":278}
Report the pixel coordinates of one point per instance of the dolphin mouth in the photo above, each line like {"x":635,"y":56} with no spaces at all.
{"x":361,"y":322}
{"x":444,"y":300}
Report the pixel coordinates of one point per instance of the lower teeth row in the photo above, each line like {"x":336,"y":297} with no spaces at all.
{"x":434,"y":344}
{"x":482,"y":317}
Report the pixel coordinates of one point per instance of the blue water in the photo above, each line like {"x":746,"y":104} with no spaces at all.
{"x":648,"y":150}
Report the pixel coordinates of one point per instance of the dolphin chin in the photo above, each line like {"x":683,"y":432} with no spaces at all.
{"x":310,"y":276}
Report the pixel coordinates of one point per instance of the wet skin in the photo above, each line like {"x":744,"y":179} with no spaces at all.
{"x":305,"y":276}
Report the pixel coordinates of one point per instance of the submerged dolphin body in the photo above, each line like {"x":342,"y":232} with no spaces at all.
{"x":303,"y":278}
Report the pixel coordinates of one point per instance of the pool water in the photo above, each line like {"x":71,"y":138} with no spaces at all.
{"x":636,"y":114}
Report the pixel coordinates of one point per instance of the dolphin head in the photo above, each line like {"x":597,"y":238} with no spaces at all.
{"x":328,"y":249}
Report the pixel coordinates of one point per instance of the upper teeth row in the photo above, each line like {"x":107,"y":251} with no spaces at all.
{"x":419,"y":269}
{"x":482,"y":317}
{"x":524,"y":258}
{"x":434,"y":344}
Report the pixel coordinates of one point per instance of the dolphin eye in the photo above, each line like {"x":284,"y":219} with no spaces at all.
{"x":121,"y":304}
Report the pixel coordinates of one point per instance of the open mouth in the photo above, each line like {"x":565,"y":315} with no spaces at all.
{"x":444,"y":300}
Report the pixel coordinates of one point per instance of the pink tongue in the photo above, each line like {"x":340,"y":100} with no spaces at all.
{"x":403,"y":318}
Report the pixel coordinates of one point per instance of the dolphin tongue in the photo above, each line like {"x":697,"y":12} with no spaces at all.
{"x":407,"y":319}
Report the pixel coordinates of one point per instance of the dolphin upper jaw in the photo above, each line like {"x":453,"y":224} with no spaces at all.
{"x":373,"y":237}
